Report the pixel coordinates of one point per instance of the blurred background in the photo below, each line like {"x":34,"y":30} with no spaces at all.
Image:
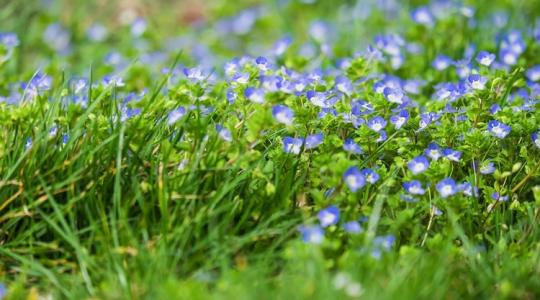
{"x":76,"y":34}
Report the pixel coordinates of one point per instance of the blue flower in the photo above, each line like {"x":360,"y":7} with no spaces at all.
{"x":354,"y":179}
{"x":254,"y":94}
{"x":418,"y":164}
{"x":344,"y":85}
{"x":283,"y":114}
{"x":370,"y":175}
{"x":485,"y":58}
{"x":487,"y":168}
{"x":498,"y":129}
{"x":175,"y":115}
{"x":321,"y":99}
{"x":533,"y":74}
{"x":328,"y":216}
{"x":138,"y":27}
{"x":451,"y":154}
{"x":377,"y":123}
{"x":447,"y":187}
{"x":224,"y":133}
{"x":96,"y":32}
{"x":231,"y":96}
{"x":442,"y":62}
{"x":422,"y":15}
{"x":495,"y":108}
{"x":535,"y":137}
{"x":477,"y":82}
{"x":414,"y":187}
{"x":467,"y":189}
{"x":58,"y":38}
{"x":408,"y":198}
{"x":382,"y":136}
{"x":282,"y":45}
{"x":400,"y":119}
{"x":9,"y":40}
{"x":350,"y":146}
{"x":312,"y":234}
{"x":314,"y":140}
{"x":433,"y":151}
{"x":394,"y":95}
{"x":497,"y":197}
{"x":292,"y":145}
{"x":353,"y":227}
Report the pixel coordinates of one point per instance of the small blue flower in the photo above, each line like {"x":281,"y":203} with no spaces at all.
{"x":533,"y":74}
{"x":282,"y":45}
{"x":535,"y":137}
{"x":400,"y":119}
{"x":442,"y":62}
{"x":422,"y":15}
{"x":312,"y":234}
{"x":418,"y":164}
{"x":487,"y":168}
{"x":414,"y":187}
{"x":477,"y":82}
{"x":350,"y":146}
{"x":497,"y":197}
{"x":354,"y":179}
{"x":231,"y":96}
{"x":433,"y":151}
{"x":9,"y":40}
{"x":382,"y":136}
{"x":394,"y":95}
{"x":224,"y":133}
{"x":467,"y":189}
{"x":314,"y":140}
{"x":485,"y":58}
{"x":370,"y":175}
{"x":353,"y":227}
{"x":255,"y":95}
{"x":283,"y":114}
{"x":28,"y":143}
{"x":328,"y":216}
{"x":436,"y":211}
{"x":292,"y":145}
{"x":451,"y":154}
{"x":138,"y":27}
{"x":344,"y":85}
{"x":495,"y":108}
{"x":377,"y":123}
{"x":498,"y":129}
{"x":447,"y":187}
{"x":321,"y":99}
{"x":408,"y":198}
{"x":175,"y":115}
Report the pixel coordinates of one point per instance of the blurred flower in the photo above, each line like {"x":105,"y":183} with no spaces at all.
{"x":477,"y":82}
{"x":433,"y":151}
{"x":485,"y":58}
{"x":446,"y":187}
{"x":283,"y":114}
{"x":58,"y":38}
{"x":354,"y":179}
{"x":377,"y":123}
{"x":328,"y":216}
{"x":498,"y":129}
{"x":175,"y":115}
{"x":224,"y":133}
{"x":350,"y":146}
{"x":97,"y":32}
{"x":292,"y":145}
{"x":414,"y":187}
{"x":370,"y":175}
{"x":535,"y":137}
{"x":422,"y":15}
{"x":533,"y":74}
{"x":451,"y":154}
{"x":353,"y":227}
{"x":313,"y":140}
{"x":400,"y":119}
{"x":312,"y":234}
{"x":487,"y":168}
{"x":442,"y":62}
{"x":255,"y":95}
{"x":138,"y":27}
{"x":418,"y":164}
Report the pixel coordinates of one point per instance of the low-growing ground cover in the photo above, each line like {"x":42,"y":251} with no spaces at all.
{"x":274,"y":150}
